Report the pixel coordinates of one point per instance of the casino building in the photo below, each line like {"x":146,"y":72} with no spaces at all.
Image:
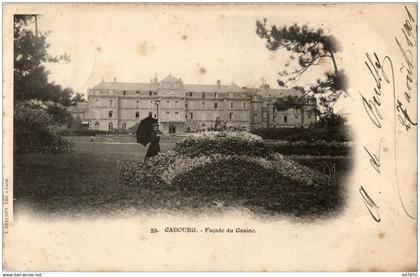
{"x":182,"y":108}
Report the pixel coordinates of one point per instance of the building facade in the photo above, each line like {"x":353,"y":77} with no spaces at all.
{"x":182,"y":108}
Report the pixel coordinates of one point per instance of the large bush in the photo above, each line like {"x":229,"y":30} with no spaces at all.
{"x":218,"y":168}
{"x":34,"y":131}
{"x":226,"y":143}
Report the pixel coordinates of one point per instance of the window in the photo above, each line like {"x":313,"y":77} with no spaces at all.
{"x":215,"y":105}
{"x":176,"y":116}
{"x":110,"y":126}
{"x":176,"y":104}
{"x":168,"y":115}
{"x":231,"y":116}
{"x":255,"y":114}
{"x":244,"y":105}
{"x":203,"y":95}
{"x":231,"y":104}
{"x":309,"y":114}
{"x":285,"y":119}
{"x":124,"y":92}
{"x":186,"y":105}
{"x":138,"y":103}
{"x":110,"y":102}
{"x":191,"y":115}
{"x":265,"y":115}
{"x":137,"y":114}
{"x":150,"y":93}
{"x":137,"y":92}
{"x":96,"y":125}
{"x":124,"y":126}
{"x":191,"y":94}
{"x":110,"y":114}
{"x":203,"y":104}
{"x":215,"y":94}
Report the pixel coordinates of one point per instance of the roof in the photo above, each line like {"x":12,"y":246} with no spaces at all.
{"x":265,"y":91}
{"x":213,"y":88}
{"x":170,"y":79}
{"x":126,"y":86}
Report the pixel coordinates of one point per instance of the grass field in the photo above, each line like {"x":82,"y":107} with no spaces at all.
{"x":86,"y":181}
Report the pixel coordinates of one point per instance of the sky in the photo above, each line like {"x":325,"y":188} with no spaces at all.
{"x":135,"y":45}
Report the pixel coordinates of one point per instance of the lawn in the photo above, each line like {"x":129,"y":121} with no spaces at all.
{"x":87,"y":181}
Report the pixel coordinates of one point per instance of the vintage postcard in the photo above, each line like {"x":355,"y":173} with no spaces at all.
{"x":209,"y":137}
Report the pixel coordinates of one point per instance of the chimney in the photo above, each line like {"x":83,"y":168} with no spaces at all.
{"x":115,"y":79}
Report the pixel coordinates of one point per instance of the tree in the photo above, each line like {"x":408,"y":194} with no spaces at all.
{"x":310,"y":47}
{"x":78,"y":98}
{"x":30,"y":56}
{"x":40,"y":105}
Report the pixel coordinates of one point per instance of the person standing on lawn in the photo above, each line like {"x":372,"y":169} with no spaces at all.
{"x":148,"y":132}
{"x":154,"y":147}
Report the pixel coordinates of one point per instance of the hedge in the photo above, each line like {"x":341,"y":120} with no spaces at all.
{"x":89,"y":132}
{"x":311,"y":134}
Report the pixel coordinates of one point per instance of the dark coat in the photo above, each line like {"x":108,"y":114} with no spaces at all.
{"x":154,"y":147}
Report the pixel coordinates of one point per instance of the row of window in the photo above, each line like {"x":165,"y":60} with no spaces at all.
{"x":203,"y":104}
{"x":124,"y":127}
{"x":173,"y":93}
{"x":231,"y":116}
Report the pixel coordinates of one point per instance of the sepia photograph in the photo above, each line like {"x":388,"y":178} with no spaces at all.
{"x":134,"y":128}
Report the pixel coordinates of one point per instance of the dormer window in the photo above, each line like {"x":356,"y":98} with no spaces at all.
{"x":150,"y":93}
{"x":124,"y":92}
{"x":137,"y":92}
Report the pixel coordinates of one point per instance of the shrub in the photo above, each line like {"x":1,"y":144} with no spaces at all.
{"x":88,"y":132}
{"x":317,"y":148}
{"x":226,"y":143}
{"x":217,"y":167}
{"x":259,"y":188}
{"x":334,"y":133}
{"x":34,"y":131}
